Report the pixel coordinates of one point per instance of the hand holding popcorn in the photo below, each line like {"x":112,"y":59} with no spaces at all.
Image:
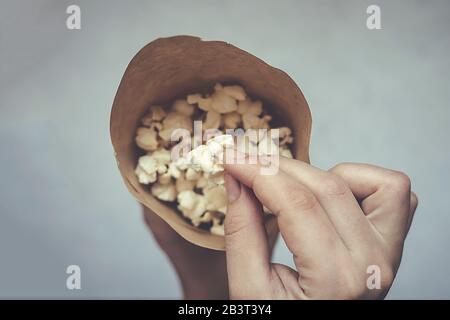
{"x":340,"y":225}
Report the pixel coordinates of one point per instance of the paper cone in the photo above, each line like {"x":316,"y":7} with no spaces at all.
{"x":170,"y":68}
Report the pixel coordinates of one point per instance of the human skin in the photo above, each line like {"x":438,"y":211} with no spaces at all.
{"x":202,"y":272}
{"x":336,"y":223}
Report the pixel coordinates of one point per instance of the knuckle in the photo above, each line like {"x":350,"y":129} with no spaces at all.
{"x":340,"y":167}
{"x":414,"y":201}
{"x":400,"y":182}
{"x":333,"y":185}
{"x":301,"y":199}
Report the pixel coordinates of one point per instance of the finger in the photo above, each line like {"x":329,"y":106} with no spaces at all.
{"x":247,"y":247}
{"x":336,"y":199}
{"x":385,"y":196}
{"x":306,"y":229}
{"x":412,"y":209}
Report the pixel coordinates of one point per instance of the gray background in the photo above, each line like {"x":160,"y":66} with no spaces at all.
{"x":376,"y":96}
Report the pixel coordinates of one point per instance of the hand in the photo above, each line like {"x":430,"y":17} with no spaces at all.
{"x":202,"y":272}
{"x":335,"y":223}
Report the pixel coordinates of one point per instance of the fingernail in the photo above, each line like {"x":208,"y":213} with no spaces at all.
{"x":233,"y":188}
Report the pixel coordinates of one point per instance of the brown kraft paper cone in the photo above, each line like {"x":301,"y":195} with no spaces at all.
{"x":169,"y":68}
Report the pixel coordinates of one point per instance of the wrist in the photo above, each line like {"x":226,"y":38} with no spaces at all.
{"x":202,"y":279}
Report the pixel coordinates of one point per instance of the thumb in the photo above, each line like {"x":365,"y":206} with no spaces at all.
{"x":247,"y":248}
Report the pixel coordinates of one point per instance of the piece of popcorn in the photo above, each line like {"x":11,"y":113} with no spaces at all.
{"x":193,"y":98}
{"x":216,"y":198}
{"x":248,"y":106}
{"x":250,"y":111}
{"x":164,"y":178}
{"x":155,"y":114}
{"x":201,"y":183}
{"x":196,"y":159}
{"x":236,"y":92}
{"x":183,"y":184}
{"x":265,"y":122}
{"x":146,"y":138}
{"x":216,"y":144}
{"x":203,"y":103}
{"x":252,"y":121}
{"x":191,"y":204}
{"x":144,"y":177}
{"x":205,"y":218}
{"x":161,"y":168}
{"x":231,"y":120}
{"x":212,"y":120}
{"x":173,"y":170}
{"x":148,"y":164}
{"x":172,"y":121}
{"x":165,"y":192}
{"x":267,"y":145}
{"x":215,"y":179}
{"x":183,"y":107}
{"x":161,"y":156}
{"x":248,"y":143}
{"x":192,"y":174}
{"x":285,"y":152}
{"x":206,"y":157}
{"x":221,"y":101}
{"x":217,"y":228}
{"x":285,"y":136}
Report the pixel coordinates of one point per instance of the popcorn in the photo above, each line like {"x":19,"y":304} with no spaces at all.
{"x":267,"y":145}
{"x":156,"y":114}
{"x":203,"y":103}
{"x":217,"y":228}
{"x":216,"y":198}
{"x":231,"y":120}
{"x":212,"y":120}
{"x":165,"y":192}
{"x":146,"y":138}
{"x":206,"y":217}
{"x":191,"y":204}
{"x":165,"y":178}
{"x":285,"y":136}
{"x":183,"y":107}
{"x":195,"y":182}
{"x":204,"y":157}
{"x":173,"y":170}
{"x":236,"y":92}
{"x":221,"y":101}
{"x":146,"y":170}
{"x":192,"y":174}
{"x":184,"y":184}
{"x":285,"y":152}
{"x":172,"y":121}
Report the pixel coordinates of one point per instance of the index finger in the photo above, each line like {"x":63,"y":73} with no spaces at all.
{"x":306,"y":229}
